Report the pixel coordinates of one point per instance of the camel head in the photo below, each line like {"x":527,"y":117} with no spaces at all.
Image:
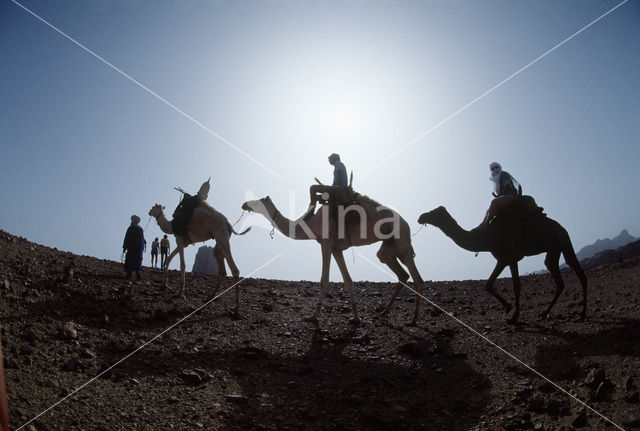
{"x":259,"y":205}
{"x":433,"y":217}
{"x":156,"y":210}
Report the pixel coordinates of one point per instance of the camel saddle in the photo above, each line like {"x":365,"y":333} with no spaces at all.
{"x":183,"y":213}
{"x":344,"y":198}
{"x":517,"y":216}
{"x":522,"y":208}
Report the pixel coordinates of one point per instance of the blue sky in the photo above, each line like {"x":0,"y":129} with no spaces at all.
{"x":289,"y":82}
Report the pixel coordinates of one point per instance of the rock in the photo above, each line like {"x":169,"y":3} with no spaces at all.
{"x":633,"y":397}
{"x":536,"y":404}
{"x":27,"y":349}
{"x":237,"y":398}
{"x":595,"y":377}
{"x":88,"y":354}
{"x":72,"y":364}
{"x":629,"y":384}
{"x":173,"y":399}
{"x":604,"y":388}
{"x":69,"y":330}
{"x":190,"y":377}
{"x":631,"y":421}
{"x":579,"y":420}
{"x":6,"y":284}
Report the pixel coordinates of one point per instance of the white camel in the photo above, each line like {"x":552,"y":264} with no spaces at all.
{"x":205,"y":223}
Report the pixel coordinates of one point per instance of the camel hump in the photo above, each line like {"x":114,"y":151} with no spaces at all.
{"x":524,"y":206}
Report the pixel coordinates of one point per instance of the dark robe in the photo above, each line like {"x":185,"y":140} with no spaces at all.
{"x":133,"y":245}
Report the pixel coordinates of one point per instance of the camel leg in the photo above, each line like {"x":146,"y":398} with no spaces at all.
{"x":551,"y":262}
{"x":348,"y":284}
{"x":225,"y":247}
{"x":410,"y":263}
{"x":324,"y":282}
{"x":166,"y":265}
{"x":218,"y":255}
{"x":489,"y":285}
{"x":515,"y":279}
{"x":571,"y":260}
{"x":392,"y":262}
{"x":183,"y":267}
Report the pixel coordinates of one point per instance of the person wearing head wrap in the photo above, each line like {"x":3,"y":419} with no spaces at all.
{"x":328,"y":192}
{"x":133,"y":245}
{"x":505,"y":191}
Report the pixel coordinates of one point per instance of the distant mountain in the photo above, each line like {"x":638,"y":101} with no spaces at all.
{"x":605,"y":250}
{"x":620,"y":254}
{"x":204,"y":262}
{"x":605,"y":244}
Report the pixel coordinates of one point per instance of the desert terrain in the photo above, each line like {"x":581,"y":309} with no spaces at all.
{"x":93,"y":332}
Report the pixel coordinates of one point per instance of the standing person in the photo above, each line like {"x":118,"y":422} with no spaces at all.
{"x":134,"y":245}
{"x":339,"y":183}
{"x":155,"y":245}
{"x":505,"y":191}
{"x":164,"y":251}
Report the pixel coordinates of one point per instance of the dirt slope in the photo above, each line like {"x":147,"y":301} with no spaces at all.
{"x":271,"y":371}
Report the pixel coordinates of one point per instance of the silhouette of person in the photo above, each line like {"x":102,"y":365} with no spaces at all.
{"x":164,"y":251}
{"x":505,"y":191}
{"x":327,"y":193}
{"x":134,"y":245}
{"x":155,"y":245}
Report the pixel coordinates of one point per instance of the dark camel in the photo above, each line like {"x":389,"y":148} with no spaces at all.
{"x":537,"y":234}
{"x":373,"y":223}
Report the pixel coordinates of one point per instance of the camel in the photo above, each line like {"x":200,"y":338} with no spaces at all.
{"x":539,"y":234}
{"x":380,"y":224}
{"x":205,"y":223}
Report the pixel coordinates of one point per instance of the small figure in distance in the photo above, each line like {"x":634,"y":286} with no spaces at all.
{"x":327,"y":193}
{"x":155,"y":245}
{"x":134,"y":245}
{"x":165,"y":245}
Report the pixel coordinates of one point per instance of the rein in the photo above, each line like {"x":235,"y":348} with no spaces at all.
{"x":276,"y":213}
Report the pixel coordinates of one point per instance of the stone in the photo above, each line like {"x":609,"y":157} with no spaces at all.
{"x":237,"y":398}
{"x":631,"y":421}
{"x":190,"y":377}
{"x":595,"y":377}
{"x":69,"y":330}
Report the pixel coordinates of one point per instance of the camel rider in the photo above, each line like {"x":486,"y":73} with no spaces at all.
{"x":506,"y":191}
{"x":327,"y":193}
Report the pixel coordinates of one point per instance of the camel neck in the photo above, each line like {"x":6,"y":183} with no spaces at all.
{"x":287,"y":227}
{"x":473,"y":240}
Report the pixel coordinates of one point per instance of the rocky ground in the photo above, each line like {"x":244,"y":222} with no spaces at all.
{"x":270,"y":370}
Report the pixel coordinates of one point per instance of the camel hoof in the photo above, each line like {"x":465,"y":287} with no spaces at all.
{"x":355,"y":321}
{"x":235,"y":315}
{"x":507,"y":308}
{"x":512,"y":321}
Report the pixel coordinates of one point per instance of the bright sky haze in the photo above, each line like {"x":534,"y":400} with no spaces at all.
{"x":257,"y":94}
